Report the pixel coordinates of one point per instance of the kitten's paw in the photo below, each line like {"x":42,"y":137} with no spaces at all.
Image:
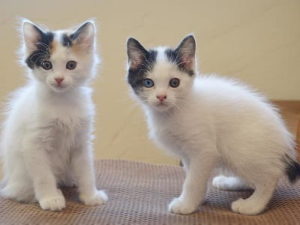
{"x":98,"y":198}
{"x":246,"y":207}
{"x":53,"y":203}
{"x":179,"y":206}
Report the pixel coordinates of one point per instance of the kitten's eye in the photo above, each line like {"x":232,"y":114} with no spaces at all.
{"x":174,"y":82}
{"x":148,"y":83}
{"x":71,"y":65}
{"x":47,"y":65}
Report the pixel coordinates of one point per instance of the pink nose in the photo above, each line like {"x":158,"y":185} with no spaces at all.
{"x":59,"y":80}
{"x":161,"y":97}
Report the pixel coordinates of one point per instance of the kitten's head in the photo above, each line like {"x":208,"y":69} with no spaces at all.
{"x":161,"y":77}
{"x":62,"y":59}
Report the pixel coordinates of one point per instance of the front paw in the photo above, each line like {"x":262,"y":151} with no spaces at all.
{"x":97,"y":198}
{"x":53,"y":203}
{"x":247,"y":207}
{"x":180,"y":206}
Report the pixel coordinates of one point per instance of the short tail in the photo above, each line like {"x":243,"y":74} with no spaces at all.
{"x":293,"y":170}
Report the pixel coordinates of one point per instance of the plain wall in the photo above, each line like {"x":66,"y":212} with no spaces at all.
{"x":256,"y":41}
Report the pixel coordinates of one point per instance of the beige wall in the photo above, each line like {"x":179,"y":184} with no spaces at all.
{"x":257,"y":41}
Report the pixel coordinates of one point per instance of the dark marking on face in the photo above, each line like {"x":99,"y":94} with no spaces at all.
{"x":136,"y":75}
{"x":175,"y":57}
{"x":43,"y":47}
{"x":66,"y":41}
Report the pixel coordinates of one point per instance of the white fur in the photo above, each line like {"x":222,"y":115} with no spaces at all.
{"x":47,"y":136}
{"x":211,"y":122}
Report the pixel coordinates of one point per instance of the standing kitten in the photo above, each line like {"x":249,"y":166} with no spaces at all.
{"x":47,"y":136}
{"x":210,"y":122}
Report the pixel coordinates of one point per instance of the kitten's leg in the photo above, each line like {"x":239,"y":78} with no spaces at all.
{"x":258,"y":201}
{"x":18,"y":187}
{"x":194,"y":187}
{"x":230,"y":183}
{"x":44,"y":182}
{"x":17,"y":183}
{"x":83,"y":168}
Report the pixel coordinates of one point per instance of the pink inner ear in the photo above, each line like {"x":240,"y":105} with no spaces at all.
{"x":188,"y":62}
{"x":135,"y":63}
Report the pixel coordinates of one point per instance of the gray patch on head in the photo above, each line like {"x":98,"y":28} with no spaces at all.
{"x":174,"y":57}
{"x":136,"y":76}
{"x":184,"y":55}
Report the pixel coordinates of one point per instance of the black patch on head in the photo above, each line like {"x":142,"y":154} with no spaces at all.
{"x":42,"y":52}
{"x":292,"y":170}
{"x":136,"y":76}
{"x":175,"y":57}
{"x":66,"y":41}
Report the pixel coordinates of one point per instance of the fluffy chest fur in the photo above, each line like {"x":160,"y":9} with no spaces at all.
{"x":63,"y":116}
{"x":64,"y":121}
{"x":181,"y":132}
{"x":57,"y":124}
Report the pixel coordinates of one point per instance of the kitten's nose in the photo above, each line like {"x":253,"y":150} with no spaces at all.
{"x":59,"y":80}
{"x":161,"y":98}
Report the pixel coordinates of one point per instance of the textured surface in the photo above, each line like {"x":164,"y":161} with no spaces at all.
{"x":256,"y":41}
{"x":139,"y":194}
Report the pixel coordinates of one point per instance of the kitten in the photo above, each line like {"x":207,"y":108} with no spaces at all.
{"x":210,"y":122}
{"x":47,"y":136}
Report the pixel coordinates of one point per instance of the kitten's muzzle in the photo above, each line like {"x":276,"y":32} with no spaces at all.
{"x":59,"y":81}
{"x":161,"y":98}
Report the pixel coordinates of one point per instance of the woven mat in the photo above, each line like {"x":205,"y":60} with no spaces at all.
{"x":139,"y":194}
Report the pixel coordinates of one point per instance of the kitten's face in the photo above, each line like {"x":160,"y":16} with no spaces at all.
{"x":161,"y":77}
{"x":60,"y":59}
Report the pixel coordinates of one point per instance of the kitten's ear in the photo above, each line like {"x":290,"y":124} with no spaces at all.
{"x":186,"y":51}
{"x":136,"y":53}
{"x":85,"y":34}
{"x":32,"y":34}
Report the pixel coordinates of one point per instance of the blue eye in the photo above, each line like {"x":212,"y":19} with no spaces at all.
{"x":148,"y":83}
{"x":174,"y":82}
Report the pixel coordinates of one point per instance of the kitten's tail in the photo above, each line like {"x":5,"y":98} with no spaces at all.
{"x":292,"y":170}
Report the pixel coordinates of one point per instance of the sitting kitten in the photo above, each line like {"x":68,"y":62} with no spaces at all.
{"x":210,"y":122}
{"x":47,"y":136}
